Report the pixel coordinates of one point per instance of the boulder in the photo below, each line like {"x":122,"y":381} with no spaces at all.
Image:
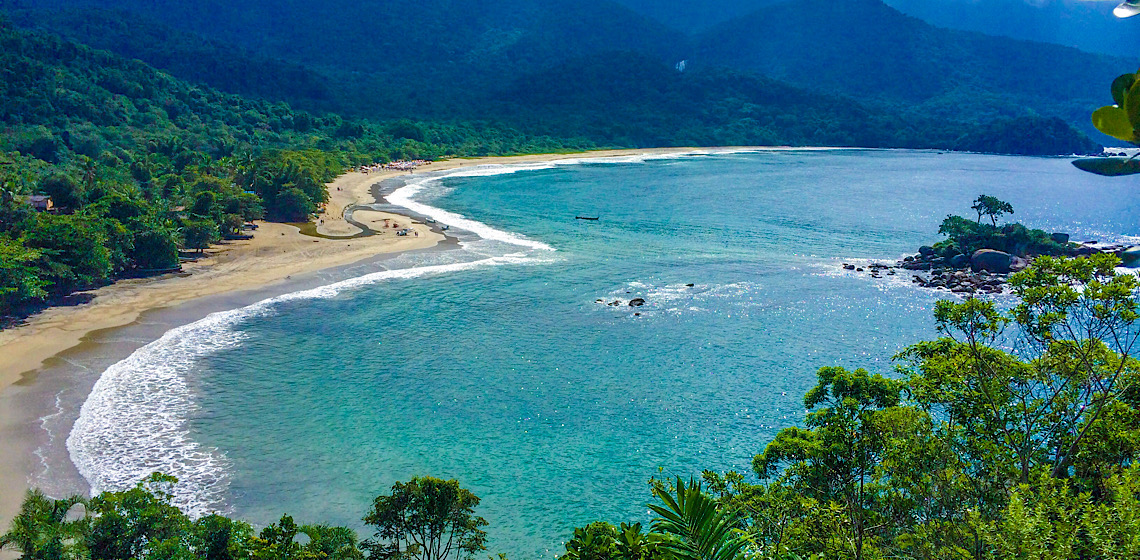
{"x":1061,"y":238}
{"x":636,"y":302}
{"x":1131,"y":257}
{"x":960,"y":261}
{"x":926,"y":250}
{"x":991,"y":261}
{"x":1018,"y":264}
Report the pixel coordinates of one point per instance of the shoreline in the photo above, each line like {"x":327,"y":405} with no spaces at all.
{"x":276,"y":254}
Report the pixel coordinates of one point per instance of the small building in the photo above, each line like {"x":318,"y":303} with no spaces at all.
{"x":40,"y":202}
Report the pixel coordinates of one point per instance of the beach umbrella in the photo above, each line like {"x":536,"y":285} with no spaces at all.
{"x":1128,"y":8}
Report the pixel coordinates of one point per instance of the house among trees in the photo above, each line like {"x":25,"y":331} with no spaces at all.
{"x":40,"y":202}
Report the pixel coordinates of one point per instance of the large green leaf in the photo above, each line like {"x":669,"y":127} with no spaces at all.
{"x":1113,"y":121}
{"x":1120,"y":87}
{"x":1132,"y":103}
{"x":1109,"y":167}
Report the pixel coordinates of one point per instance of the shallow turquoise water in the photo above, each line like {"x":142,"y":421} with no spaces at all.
{"x":556,"y":409}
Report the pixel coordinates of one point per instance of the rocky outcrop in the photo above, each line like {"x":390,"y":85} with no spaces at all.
{"x":992,"y":261}
{"x":963,"y":282}
{"x":1131,"y":256}
{"x":636,"y":302}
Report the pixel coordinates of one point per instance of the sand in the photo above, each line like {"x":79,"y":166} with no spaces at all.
{"x":276,"y":253}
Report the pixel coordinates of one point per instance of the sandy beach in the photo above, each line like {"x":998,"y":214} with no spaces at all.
{"x":275,"y":254}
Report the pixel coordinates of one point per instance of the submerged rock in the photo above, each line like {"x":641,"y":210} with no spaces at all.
{"x":636,"y":302}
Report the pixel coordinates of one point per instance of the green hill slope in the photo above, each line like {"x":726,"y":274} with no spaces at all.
{"x":188,"y":56}
{"x":871,"y":51}
{"x":142,"y":165}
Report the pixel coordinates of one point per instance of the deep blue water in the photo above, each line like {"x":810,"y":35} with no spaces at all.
{"x":556,"y":409}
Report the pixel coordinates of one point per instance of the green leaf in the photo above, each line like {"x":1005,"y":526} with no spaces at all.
{"x":1120,"y":87}
{"x":1114,"y":122}
{"x":1109,"y":167}
{"x":1132,"y":103}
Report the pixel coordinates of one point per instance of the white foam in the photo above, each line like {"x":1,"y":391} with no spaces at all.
{"x":135,"y":420}
{"x":403,"y":196}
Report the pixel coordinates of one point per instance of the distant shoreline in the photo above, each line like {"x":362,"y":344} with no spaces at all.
{"x":275,"y":254}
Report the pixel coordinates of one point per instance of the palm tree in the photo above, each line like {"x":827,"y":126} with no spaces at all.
{"x":694,"y":527}
{"x":41,"y":529}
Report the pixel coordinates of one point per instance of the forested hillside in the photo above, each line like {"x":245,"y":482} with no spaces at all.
{"x":459,"y":59}
{"x":141,"y":165}
{"x":188,"y":56}
{"x":873,"y":52}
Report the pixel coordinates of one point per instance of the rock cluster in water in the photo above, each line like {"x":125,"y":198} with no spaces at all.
{"x":985,"y":271}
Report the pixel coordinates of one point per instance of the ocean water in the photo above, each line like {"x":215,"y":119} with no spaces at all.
{"x":496,"y":364}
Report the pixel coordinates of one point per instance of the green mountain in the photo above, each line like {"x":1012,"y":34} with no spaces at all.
{"x":871,"y":51}
{"x":189,"y":56}
{"x":461,"y":41}
{"x":462,"y":60}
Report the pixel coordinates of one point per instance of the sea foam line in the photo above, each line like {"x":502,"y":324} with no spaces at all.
{"x":135,"y":420}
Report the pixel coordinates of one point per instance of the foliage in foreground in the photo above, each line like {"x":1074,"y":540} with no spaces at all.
{"x":1121,"y":120}
{"x":1012,"y":436}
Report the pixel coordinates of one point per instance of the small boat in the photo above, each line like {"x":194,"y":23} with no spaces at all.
{"x":445,"y":227}
{"x":585,"y":218}
{"x":429,"y":220}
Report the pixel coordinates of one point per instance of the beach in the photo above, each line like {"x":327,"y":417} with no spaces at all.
{"x":276,"y":253}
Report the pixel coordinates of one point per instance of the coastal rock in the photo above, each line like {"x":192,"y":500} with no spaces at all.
{"x":926,"y":250}
{"x":1018,"y":264}
{"x":1131,"y":256}
{"x":1061,"y":238}
{"x":848,"y":266}
{"x":991,"y":261}
{"x":959,"y":261}
{"x":636,"y":302}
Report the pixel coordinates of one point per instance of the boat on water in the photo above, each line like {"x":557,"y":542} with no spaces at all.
{"x":594,"y":219}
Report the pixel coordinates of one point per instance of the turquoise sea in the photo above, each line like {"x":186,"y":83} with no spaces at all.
{"x":494,"y":362}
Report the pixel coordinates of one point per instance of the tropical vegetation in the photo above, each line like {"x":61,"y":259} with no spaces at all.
{"x":965,"y":236}
{"x":140,"y":166}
